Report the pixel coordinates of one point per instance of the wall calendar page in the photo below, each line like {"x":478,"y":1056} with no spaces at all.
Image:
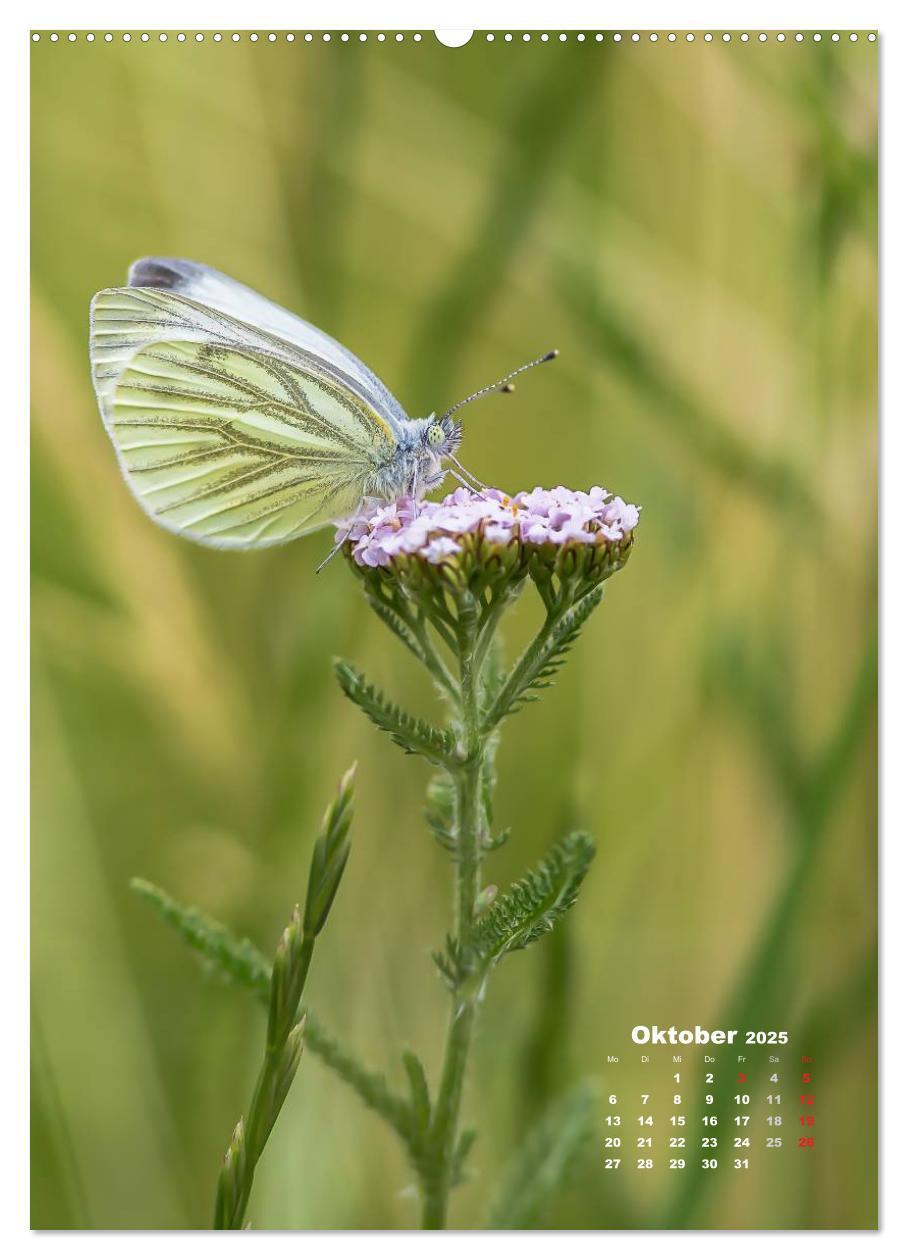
{"x":454,"y":629}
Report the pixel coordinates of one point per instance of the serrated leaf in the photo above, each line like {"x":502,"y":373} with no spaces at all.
{"x":419,"y":1091}
{"x":235,"y":958}
{"x":542,"y":660}
{"x":397,"y":626}
{"x":543,"y":1161}
{"x":412,"y":734}
{"x":452,"y":963}
{"x":496,"y":841}
{"x":371,"y":1087}
{"x":440,"y":811}
{"x":461,"y":1151}
{"x":535,"y":903}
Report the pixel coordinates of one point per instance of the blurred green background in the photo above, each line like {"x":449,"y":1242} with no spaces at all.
{"x":694,"y":226}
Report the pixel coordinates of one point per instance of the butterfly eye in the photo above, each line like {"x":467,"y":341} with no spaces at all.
{"x":435,"y":435}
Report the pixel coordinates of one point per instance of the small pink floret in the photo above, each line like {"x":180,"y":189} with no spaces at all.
{"x":436,"y":531}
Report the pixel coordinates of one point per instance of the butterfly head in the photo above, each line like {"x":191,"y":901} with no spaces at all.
{"x":443,"y":436}
{"x":435,"y":441}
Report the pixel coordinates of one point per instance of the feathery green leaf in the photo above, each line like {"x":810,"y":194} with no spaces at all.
{"x":461,"y":1151}
{"x":419,"y":1091}
{"x":543,"y":1161}
{"x":542,"y":659}
{"x":371,"y":1087}
{"x":398,"y":626}
{"x":239,"y":960}
{"x":235,"y":958}
{"x":496,"y":840}
{"x":534,"y":904}
{"x":452,"y":963}
{"x":410,"y":733}
{"x":441,"y":810}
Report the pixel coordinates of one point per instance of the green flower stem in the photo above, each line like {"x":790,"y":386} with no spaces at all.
{"x":471,"y":830}
{"x":525,"y":669}
{"x":446,"y":614}
{"x":446,"y":1114}
{"x":470,"y":806}
{"x":489,"y":625}
{"x":437,"y":1182}
{"x":434,"y":662}
{"x":429,"y":654}
{"x":471,"y":827}
{"x":563,"y":622}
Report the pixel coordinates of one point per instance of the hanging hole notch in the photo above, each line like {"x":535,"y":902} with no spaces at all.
{"x":452,"y":38}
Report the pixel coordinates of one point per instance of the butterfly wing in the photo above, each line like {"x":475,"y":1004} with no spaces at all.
{"x":223,"y":441}
{"x":220,"y":293}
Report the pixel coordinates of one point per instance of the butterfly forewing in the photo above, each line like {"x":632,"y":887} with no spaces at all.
{"x":125,"y":320}
{"x":229,"y":444}
{"x":217,"y":292}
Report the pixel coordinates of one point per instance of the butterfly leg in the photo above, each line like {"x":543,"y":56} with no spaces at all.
{"x":337,"y":546}
{"x":333,"y":552}
{"x":477,"y":484}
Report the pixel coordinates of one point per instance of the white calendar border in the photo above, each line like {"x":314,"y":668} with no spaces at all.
{"x":13,"y":632}
{"x":496,"y":14}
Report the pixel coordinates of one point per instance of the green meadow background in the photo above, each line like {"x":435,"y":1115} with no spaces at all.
{"x":694,"y":227}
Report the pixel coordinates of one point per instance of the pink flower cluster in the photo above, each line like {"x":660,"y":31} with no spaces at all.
{"x":436,"y":531}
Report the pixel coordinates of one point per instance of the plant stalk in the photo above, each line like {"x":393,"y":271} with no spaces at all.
{"x":437,"y":1183}
{"x":471,"y":826}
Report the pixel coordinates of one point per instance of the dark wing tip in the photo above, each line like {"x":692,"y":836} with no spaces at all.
{"x":161,"y":273}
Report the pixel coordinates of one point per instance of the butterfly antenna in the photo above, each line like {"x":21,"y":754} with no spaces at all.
{"x":503,"y":386}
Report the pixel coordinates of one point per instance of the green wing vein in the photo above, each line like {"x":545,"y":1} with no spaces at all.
{"x":223,"y":441}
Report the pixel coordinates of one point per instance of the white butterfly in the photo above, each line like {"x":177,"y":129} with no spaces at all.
{"x":238,"y":424}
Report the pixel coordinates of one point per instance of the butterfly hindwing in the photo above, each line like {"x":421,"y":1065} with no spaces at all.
{"x":231,"y":445}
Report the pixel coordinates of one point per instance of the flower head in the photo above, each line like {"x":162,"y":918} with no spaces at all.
{"x":441,"y":576}
{"x":474,"y":550}
{"x":557,"y":522}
